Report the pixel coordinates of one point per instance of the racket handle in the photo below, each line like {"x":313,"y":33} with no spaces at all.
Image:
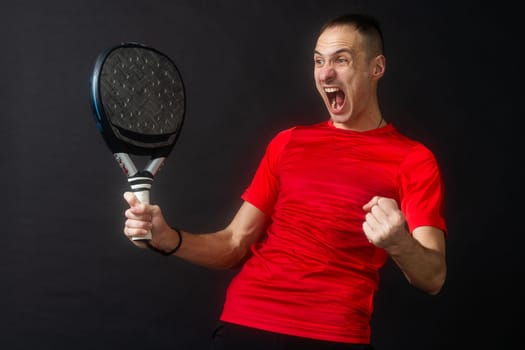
{"x":140,"y":184}
{"x":143,"y":197}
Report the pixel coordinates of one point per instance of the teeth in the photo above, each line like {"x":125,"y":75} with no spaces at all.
{"x":331,"y":90}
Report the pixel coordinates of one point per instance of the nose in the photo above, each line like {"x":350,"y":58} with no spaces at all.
{"x":326,"y":73}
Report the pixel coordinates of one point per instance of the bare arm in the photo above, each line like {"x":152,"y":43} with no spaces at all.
{"x":420,"y":256}
{"x":222,"y":249}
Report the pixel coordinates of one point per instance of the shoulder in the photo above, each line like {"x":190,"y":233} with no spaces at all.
{"x":413,"y":147}
{"x":283,"y":136}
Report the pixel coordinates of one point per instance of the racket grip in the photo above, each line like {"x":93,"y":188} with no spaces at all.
{"x":140,"y":184}
{"x":143,"y":197}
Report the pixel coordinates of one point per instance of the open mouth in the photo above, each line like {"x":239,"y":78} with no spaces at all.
{"x":336,"y":97}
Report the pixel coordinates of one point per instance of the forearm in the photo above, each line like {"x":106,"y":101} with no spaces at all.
{"x":226,"y":248}
{"x":213,"y":250}
{"x":424,"y":266}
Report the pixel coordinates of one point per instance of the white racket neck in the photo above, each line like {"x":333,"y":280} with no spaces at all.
{"x":154,"y":165}
{"x":128,"y":166}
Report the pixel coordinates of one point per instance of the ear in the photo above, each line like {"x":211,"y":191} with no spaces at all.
{"x":378,"y":66}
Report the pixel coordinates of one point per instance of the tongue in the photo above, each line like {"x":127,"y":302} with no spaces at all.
{"x":339,"y":98}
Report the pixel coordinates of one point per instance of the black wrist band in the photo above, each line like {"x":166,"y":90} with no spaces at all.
{"x":168,"y":253}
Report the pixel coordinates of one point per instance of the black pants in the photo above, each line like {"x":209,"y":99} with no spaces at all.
{"x":228,"y":336}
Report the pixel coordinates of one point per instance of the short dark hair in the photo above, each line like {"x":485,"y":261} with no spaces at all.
{"x":367,"y":25}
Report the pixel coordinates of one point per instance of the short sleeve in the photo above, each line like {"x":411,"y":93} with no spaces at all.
{"x":422,"y":190}
{"x":264,"y":187}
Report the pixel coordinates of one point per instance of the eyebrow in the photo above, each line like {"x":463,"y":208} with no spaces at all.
{"x":335,"y":53}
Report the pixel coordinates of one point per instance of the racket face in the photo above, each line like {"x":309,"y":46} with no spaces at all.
{"x":138,"y":99}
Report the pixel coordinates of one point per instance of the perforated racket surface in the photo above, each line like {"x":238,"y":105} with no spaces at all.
{"x":138,"y":100}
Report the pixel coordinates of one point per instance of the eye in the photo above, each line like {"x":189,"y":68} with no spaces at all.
{"x":318,"y":61}
{"x":342,"y":60}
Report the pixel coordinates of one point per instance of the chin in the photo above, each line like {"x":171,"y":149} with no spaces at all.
{"x":339,"y":118}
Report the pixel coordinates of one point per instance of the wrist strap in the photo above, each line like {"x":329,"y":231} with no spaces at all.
{"x":168,"y":253}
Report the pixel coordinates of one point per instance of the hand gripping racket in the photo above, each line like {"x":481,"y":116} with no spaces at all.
{"x":138,"y":100}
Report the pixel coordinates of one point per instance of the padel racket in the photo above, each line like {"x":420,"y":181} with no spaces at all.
{"x":138,"y":99}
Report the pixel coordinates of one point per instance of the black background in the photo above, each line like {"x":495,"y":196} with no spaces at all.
{"x":71,"y":280}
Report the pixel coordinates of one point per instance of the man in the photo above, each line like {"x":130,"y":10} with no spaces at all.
{"x":327,"y":206}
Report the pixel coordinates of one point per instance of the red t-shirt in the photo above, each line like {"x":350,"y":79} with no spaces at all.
{"x":314,"y":274}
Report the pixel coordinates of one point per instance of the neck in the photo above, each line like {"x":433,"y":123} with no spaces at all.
{"x":360,"y":124}
{"x":381,"y":123}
